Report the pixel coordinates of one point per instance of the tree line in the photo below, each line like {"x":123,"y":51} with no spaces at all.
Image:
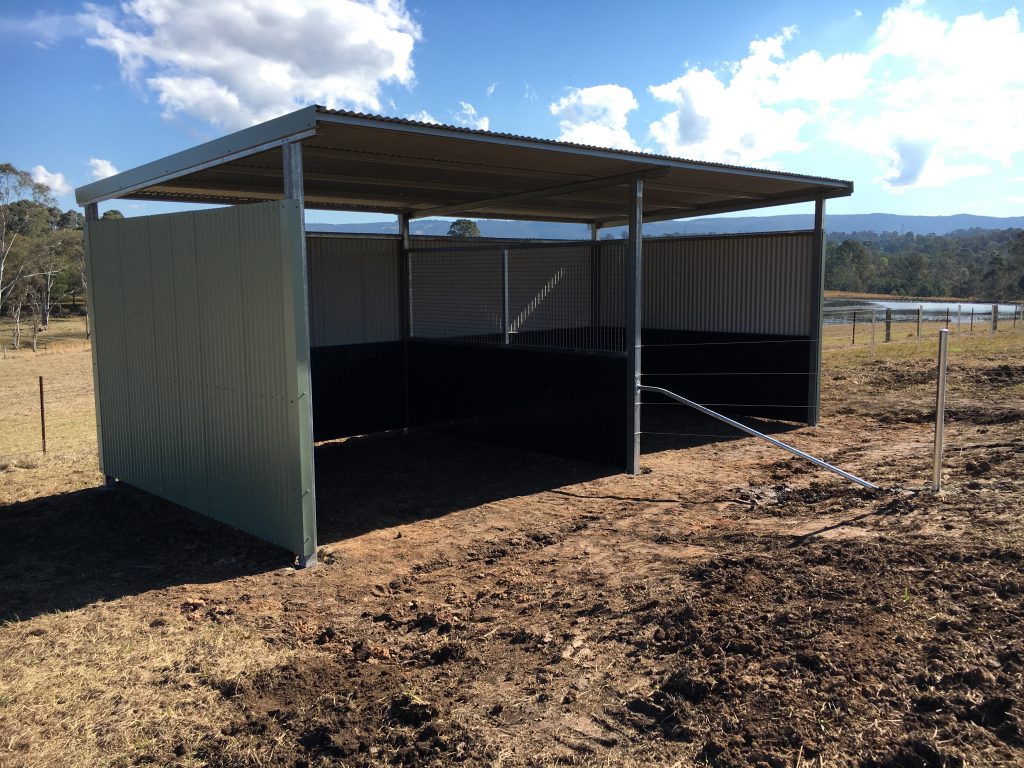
{"x":42,"y":258}
{"x":986,"y":264}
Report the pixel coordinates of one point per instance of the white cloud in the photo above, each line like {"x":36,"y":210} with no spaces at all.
{"x":44,"y":29}
{"x":423,"y":117}
{"x":596,"y":115}
{"x":55,"y":181}
{"x":467,"y":116}
{"x":102,"y":169}
{"x":929,"y":100}
{"x":490,"y":89}
{"x":756,"y":108}
{"x":238,"y":62}
{"x":952,"y":92}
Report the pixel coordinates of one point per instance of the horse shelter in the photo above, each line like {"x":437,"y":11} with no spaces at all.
{"x":227,"y":340}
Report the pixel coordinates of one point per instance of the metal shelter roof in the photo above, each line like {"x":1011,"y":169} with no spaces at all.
{"x":357,"y":162}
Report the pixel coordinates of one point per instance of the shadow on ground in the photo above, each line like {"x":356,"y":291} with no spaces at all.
{"x":62,"y":552}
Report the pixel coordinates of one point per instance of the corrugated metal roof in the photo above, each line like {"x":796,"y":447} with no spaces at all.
{"x":358,"y":162}
{"x":554,"y":143}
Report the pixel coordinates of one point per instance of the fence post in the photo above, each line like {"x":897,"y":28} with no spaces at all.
{"x":940,"y":409}
{"x":872,"y":333}
{"x":919,"y":310}
{"x":972,"y":320}
{"x":853,"y":343}
{"x":995,"y":318}
{"x":888,"y":325}
{"x":958,"y":307}
{"x":42,"y":413}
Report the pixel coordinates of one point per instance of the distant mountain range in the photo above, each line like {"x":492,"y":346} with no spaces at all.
{"x":839,"y":224}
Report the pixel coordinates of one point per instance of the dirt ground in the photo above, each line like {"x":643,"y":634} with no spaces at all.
{"x":475,"y":605}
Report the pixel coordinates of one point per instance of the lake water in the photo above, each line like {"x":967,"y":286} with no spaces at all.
{"x":929,"y":309}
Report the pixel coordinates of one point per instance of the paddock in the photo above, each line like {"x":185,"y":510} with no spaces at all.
{"x":228,"y":341}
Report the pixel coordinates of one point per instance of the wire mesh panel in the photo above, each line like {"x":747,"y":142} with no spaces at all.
{"x":457,"y":295}
{"x":550,"y":296}
{"x":610,"y":333}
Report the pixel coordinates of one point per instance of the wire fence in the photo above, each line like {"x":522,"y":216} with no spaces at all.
{"x":868,"y":325}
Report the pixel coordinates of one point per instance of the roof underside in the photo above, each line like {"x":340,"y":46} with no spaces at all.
{"x":355,"y":162}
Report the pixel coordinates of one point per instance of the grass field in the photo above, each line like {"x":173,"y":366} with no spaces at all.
{"x":483,"y":606}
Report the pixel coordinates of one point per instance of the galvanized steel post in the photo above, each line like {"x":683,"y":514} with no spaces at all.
{"x":92,"y":213}
{"x":595,"y":286}
{"x":634,"y":290}
{"x":940,"y":409}
{"x":405,"y":275}
{"x":294,"y":189}
{"x":405,"y":303}
{"x":995,"y":318}
{"x":816,"y":319}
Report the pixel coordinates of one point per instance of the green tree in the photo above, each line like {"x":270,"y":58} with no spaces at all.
{"x":17,"y":191}
{"x":463,"y":228}
{"x":71,"y":219}
{"x":113,"y":213}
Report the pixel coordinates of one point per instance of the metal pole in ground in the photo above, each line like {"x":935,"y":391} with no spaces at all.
{"x":42,"y":413}
{"x":853,"y":342}
{"x":995,"y":318}
{"x":958,"y":307}
{"x":888,"y":325}
{"x":972,"y":319}
{"x":919,"y":310}
{"x":872,"y":333}
{"x":940,"y":409}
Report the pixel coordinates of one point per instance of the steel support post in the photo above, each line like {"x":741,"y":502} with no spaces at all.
{"x":595,"y":287}
{"x":940,"y":409}
{"x":294,"y":189}
{"x":92,"y":213}
{"x":815,"y":321}
{"x":405,"y":303}
{"x":634,"y":292}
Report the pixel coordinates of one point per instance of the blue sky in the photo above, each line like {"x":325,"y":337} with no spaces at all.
{"x":919,"y":102}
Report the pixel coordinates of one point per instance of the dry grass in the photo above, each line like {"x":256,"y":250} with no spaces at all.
{"x":70,"y":424}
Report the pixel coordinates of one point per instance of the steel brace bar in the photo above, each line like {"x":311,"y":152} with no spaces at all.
{"x":755,"y":433}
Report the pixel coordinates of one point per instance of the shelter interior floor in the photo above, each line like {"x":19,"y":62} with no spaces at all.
{"x":393,"y":479}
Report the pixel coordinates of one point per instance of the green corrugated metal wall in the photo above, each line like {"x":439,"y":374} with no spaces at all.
{"x":201,"y":355}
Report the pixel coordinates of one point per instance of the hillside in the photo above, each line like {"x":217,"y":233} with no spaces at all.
{"x":840,"y":223}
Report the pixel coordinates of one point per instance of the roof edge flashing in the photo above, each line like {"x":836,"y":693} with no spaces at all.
{"x":294,"y":126}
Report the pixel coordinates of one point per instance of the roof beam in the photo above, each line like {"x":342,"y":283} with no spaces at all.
{"x":709,"y":209}
{"x":249,"y":141}
{"x":533,"y":194}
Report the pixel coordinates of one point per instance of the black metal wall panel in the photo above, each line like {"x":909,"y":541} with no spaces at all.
{"x":567,"y":404}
